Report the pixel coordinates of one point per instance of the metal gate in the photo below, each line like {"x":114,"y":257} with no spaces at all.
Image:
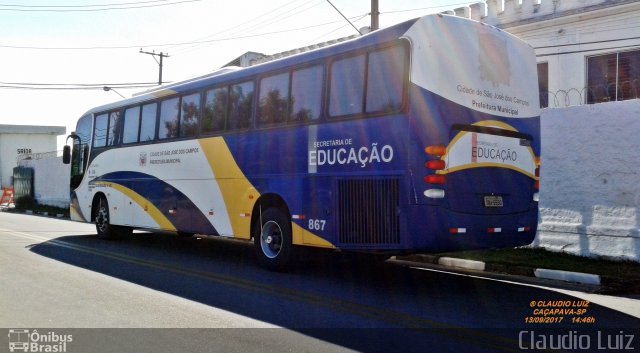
{"x":22,"y":182}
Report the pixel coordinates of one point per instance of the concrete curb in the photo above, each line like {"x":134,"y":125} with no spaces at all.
{"x":543,"y":273}
{"x":462,"y":263}
{"x":568,"y":276}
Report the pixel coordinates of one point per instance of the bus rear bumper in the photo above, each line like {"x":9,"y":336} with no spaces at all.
{"x":443,"y":230}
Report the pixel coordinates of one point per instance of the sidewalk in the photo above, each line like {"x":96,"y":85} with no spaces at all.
{"x":588,"y":274}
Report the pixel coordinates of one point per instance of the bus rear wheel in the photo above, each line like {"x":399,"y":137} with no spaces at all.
{"x":272,"y":240}
{"x":104,"y":228}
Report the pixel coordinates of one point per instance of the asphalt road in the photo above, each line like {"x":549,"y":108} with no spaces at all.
{"x":162,"y":293}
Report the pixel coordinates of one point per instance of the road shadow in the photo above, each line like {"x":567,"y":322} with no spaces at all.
{"x":355,"y":302}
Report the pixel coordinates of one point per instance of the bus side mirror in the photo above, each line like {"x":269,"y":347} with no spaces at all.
{"x":66,"y":154}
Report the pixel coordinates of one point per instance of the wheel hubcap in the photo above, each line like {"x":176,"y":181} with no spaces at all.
{"x":271,"y":239}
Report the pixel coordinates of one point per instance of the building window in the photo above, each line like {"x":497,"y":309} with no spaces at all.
{"x":613,"y":77}
{"x":543,"y":84}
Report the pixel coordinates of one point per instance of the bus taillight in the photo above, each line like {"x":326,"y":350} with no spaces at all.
{"x":435,"y":179}
{"x":435,"y":164}
{"x":436,"y":151}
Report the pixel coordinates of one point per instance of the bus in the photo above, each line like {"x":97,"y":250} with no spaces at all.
{"x":421,"y":137}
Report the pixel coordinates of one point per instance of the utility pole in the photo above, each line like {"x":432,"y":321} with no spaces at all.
{"x":374,"y":15}
{"x":161,"y":55}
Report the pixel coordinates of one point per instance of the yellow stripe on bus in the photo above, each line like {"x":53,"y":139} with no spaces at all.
{"x":162,"y":221}
{"x":240,"y":195}
{"x":302,"y":236}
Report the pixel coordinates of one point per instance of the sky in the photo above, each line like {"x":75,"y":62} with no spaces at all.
{"x":83,"y":45}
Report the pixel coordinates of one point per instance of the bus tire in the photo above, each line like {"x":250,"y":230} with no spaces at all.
{"x":272,"y":240}
{"x":104,"y":228}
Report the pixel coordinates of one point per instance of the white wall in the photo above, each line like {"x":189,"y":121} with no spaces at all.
{"x":50,"y":181}
{"x":590,"y":180}
{"x":10,"y":143}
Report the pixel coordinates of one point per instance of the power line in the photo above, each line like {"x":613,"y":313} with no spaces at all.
{"x":276,"y":18}
{"x":585,"y":43}
{"x":425,"y":8}
{"x":92,"y":5}
{"x":73,"y":86}
{"x":315,"y":40}
{"x":78,"y":84}
{"x":588,"y":50}
{"x":345,"y":17}
{"x":81,"y":8}
{"x":165,"y":44}
{"x":269,"y":20}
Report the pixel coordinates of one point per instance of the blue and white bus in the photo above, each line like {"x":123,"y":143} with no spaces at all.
{"x":421,"y":137}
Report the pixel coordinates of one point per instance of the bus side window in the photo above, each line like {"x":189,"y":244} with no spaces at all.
{"x":190,"y":115}
{"x":100,"y":131}
{"x":169,"y":112}
{"x":131,"y":125}
{"x":215,"y":110}
{"x":347,"y":86}
{"x":274,"y":100}
{"x":148,"y":122}
{"x":385,"y":80}
{"x":115,"y":129}
{"x":306,"y":93}
{"x":240,"y":105}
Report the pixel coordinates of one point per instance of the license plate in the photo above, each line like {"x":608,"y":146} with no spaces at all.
{"x":493,"y":201}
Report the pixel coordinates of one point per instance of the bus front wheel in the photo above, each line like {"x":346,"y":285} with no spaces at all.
{"x":104,"y":228}
{"x":272,"y":240}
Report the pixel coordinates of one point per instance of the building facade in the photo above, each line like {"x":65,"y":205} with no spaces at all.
{"x":23,"y":141}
